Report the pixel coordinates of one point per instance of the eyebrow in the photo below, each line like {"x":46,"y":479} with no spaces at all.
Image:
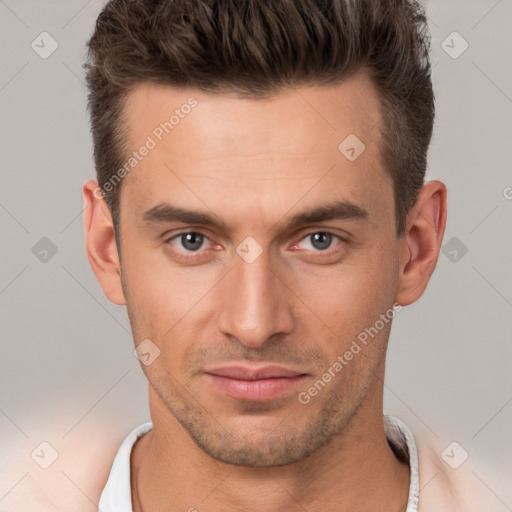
{"x":339,"y":210}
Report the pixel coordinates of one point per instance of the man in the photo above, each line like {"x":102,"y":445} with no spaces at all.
{"x":261,"y":211}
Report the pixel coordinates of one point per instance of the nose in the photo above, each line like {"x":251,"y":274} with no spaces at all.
{"x":256,"y":305}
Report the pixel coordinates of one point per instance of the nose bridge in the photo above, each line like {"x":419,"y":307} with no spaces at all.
{"x":255,"y":306}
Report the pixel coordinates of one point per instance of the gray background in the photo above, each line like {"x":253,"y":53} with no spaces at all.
{"x":66,"y":353}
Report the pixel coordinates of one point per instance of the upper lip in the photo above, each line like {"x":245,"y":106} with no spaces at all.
{"x":253,"y":373}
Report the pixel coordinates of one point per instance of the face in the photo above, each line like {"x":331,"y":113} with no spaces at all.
{"x":254,"y":254}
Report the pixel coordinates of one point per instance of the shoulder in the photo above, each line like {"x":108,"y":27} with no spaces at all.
{"x":73,"y":481}
{"x":448,"y":478}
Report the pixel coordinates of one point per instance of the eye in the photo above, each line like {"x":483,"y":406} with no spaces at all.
{"x":190,"y":241}
{"x":318,"y":241}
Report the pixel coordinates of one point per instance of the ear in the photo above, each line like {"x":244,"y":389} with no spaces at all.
{"x":421,"y":242}
{"x":100,"y":243}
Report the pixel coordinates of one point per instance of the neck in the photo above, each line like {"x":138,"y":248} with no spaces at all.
{"x":357,"y":470}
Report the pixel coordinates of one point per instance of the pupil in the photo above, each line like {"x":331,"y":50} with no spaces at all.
{"x":321,"y":240}
{"x":192,"y":241}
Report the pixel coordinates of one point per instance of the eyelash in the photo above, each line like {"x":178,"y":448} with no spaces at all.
{"x":193,"y":254}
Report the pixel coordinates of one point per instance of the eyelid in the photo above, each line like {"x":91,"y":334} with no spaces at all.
{"x":326,"y":231}
{"x":186,"y":232}
{"x":312,"y":231}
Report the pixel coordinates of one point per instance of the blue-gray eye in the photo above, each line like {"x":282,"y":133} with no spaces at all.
{"x":191,"y":241}
{"x":321,"y":241}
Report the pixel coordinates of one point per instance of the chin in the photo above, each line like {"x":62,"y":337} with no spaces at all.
{"x":261,"y":443}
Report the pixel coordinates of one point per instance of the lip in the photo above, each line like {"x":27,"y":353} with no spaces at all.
{"x":255,"y":384}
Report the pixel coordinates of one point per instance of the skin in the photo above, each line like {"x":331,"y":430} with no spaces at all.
{"x":253,"y":164}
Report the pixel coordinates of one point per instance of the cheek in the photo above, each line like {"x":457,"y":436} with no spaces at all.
{"x":166,"y":303}
{"x":160,"y":288}
{"x":353,"y":295}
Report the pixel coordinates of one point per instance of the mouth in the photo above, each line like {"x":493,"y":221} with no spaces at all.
{"x":255,"y":384}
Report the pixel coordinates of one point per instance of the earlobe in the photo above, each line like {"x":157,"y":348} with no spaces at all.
{"x":100,"y":243}
{"x":421,"y":242}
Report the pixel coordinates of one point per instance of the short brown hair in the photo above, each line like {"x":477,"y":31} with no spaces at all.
{"x":255,"y":47}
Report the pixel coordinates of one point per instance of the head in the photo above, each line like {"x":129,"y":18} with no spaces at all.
{"x":260,"y":203}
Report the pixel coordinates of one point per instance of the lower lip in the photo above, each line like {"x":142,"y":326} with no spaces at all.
{"x":255,"y":390}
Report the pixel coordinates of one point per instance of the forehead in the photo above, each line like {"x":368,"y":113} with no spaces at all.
{"x":268,"y":150}
{"x":282,"y":121}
